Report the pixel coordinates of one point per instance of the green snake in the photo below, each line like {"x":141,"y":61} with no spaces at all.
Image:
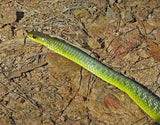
{"x":143,"y":97}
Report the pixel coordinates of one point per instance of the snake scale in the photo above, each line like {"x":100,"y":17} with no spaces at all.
{"x":143,"y":97}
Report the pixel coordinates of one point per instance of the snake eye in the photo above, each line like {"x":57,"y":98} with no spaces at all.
{"x":34,"y":36}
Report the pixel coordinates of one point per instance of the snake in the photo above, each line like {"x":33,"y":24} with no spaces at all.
{"x":143,"y":97}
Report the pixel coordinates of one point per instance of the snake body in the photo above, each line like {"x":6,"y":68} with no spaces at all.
{"x":143,"y":97}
